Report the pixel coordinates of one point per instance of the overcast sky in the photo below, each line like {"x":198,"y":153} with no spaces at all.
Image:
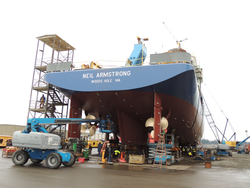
{"x":218,"y":35}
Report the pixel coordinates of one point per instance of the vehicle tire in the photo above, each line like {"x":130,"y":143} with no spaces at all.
{"x":150,"y":160}
{"x":53,"y":160}
{"x":169,"y":162}
{"x":71,"y":161}
{"x":20,"y":157}
{"x":36,"y":160}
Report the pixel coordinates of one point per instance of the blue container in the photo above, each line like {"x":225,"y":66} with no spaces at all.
{"x":201,"y":153}
{"x":212,"y":158}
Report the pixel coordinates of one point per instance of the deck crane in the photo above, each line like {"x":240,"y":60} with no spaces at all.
{"x":170,"y":32}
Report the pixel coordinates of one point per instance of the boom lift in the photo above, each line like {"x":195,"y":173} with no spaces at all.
{"x":38,"y":144}
{"x":240,"y":149}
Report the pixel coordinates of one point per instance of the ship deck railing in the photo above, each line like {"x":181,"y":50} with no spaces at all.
{"x":104,"y":64}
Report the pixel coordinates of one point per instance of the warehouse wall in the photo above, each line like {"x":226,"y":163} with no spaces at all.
{"x":99,"y":135}
{"x":6,"y":129}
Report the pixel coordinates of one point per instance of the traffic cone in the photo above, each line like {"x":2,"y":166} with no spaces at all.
{"x":122,"y":160}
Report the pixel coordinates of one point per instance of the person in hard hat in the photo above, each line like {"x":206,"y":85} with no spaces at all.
{"x":190,"y":152}
{"x":187,"y":151}
{"x":183,"y":151}
{"x":194,"y":151}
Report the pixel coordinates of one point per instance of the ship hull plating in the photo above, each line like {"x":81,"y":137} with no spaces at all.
{"x":126,"y":95}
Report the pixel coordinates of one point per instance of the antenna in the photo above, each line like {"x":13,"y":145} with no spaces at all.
{"x":170,"y":32}
{"x":141,"y":40}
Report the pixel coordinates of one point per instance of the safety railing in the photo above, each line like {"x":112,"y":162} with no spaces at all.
{"x":106,"y":126}
{"x":39,"y":83}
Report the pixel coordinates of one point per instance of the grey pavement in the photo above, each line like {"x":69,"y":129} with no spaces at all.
{"x":90,"y":174}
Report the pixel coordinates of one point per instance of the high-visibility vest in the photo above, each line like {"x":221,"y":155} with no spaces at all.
{"x":183,"y":149}
{"x":117,"y":152}
{"x":189,"y":153}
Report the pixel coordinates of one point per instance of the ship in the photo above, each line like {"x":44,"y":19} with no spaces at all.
{"x":131,"y":95}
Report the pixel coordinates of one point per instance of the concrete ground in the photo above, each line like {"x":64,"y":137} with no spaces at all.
{"x":227,"y":172}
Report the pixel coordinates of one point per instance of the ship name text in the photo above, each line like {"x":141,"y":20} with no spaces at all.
{"x":106,"y":77}
{"x":107,"y":74}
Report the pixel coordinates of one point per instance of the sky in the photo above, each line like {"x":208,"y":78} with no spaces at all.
{"x":218,"y":35}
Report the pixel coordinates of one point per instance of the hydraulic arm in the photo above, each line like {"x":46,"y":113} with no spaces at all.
{"x":242,"y":142}
{"x":37,"y":124}
{"x":38,"y":144}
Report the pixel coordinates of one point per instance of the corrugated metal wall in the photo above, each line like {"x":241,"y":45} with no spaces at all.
{"x":10,"y":129}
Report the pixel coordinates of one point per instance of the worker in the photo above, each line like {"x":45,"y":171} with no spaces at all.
{"x":117,"y":154}
{"x":90,"y":149}
{"x":183,"y":151}
{"x":104,"y":151}
{"x":42,"y":100}
{"x":106,"y":155}
{"x":194,"y":151}
{"x":190,"y":153}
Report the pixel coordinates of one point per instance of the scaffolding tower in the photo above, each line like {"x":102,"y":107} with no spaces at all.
{"x":53,"y":54}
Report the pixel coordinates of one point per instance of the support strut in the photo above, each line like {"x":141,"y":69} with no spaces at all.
{"x":157,"y":116}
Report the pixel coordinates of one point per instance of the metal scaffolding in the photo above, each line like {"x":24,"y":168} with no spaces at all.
{"x":53,"y":54}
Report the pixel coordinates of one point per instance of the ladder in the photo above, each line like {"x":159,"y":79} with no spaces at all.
{"x":160,"y":152}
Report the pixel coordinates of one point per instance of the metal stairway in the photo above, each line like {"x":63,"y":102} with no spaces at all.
{"x":56,"y":103}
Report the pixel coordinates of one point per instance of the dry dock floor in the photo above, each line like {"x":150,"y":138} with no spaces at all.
{"x":226,"y":172}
